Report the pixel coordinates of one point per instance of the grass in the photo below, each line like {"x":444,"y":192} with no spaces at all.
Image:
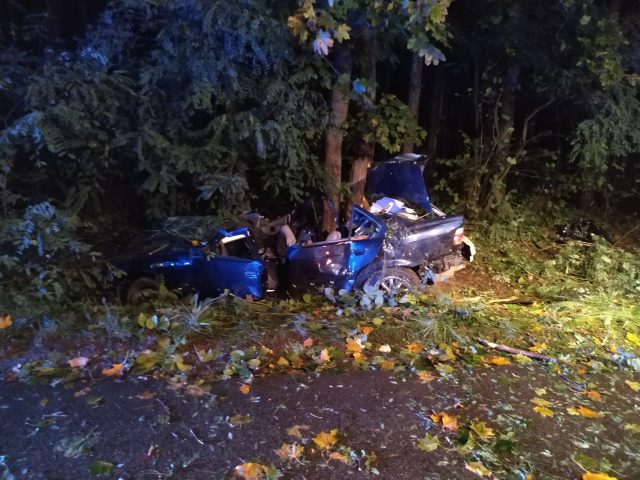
{"x":582,"y":303}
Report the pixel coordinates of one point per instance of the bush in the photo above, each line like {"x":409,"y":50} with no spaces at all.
{"x":43,"y":264}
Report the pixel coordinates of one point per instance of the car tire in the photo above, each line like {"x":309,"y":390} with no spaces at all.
{"x":395,"y":279}
{"x":138,"y":287}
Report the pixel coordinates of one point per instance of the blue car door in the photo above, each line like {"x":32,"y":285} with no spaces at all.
{"x":336,"y":263}
{"x":231,"y":265}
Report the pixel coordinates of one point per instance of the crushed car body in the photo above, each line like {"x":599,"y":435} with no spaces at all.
{"x":228,"y":260}
{"x":402,"y":240}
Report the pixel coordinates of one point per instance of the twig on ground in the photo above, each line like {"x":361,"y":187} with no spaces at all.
{"x":196,"y":437}
{"x":515,"y":351}
{"x":513,"y":300}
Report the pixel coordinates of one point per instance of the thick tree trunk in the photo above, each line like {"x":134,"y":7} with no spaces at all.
{"x":364,"y":155}
{"x":339,"y":107}
{"x":435,"y":111}
{"x":415,"y":90}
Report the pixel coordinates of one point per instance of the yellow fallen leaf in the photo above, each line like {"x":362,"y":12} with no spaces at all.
{"x":251,"y":471}
{"x":481,"y":429}
{"x":5,"y":321}
{"x":146,"y":395}
{"x":245,"y":388}
{"x":115,"y":370}
{"x":538,"y":347}
{"x":541,"y":402}
{"x":520,"y":358}
{"x":495,"y":360}
{"x":540,"y":391}
{"x":633,"y":338}
{"x":584,"y":411}
{"x":326,"y":440}
{"x":595,"y":396}
{"x":632,"y":427}
{"x":597,"y":476}
{"x":544,"y":411}
{"x":478,"y":468}
{"x":387,"y":365}
{"x":414,"y":347}
{"x":341,"y":457}
{"x":449,"y":422}
{"x":448,"y":354}
{"x":83,"y":392}
{"x":353,"y":346}
{"x":295,"y":431}
{"x":384,"y":349}
{"x":429,"y":443}
{"x":425,"y":377}
{"x":183,"y":367}
{"x":324,"y":355}
{"x":367,"y":330}
{"x":283,"y":362}
{"x":78,"y":362}
{"x":635,"y":386}
{"x":238,"y":420}
{"x":308,"y":343}
{"x":290,"y":451}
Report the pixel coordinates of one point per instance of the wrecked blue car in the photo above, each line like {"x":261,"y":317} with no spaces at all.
{"x":228,"y":260}
{"x":399,"y":242}
{"x":402,"y":241}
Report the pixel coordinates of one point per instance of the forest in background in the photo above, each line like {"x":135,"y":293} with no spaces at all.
{"x":116,"y":114}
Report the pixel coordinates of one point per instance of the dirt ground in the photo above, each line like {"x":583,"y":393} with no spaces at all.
{"x":148,"y":430}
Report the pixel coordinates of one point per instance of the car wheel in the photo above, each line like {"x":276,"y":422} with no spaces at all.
{"x":141,"y":288}
{"x":392,"y":279}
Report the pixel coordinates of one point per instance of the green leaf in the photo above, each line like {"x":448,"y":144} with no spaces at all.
{"x":100,"y":467}
{"x":146,"y":360}
{"x":429,"y":443}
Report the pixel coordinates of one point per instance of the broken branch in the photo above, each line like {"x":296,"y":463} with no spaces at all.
{"x":515,"y":351}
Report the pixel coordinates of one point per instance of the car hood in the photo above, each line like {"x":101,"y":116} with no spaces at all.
{"x":400,"y":177}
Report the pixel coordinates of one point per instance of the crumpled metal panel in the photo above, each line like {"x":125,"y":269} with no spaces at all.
{"x":398,"y":178}
{"x":336,"y":264}
{"x":411,"y":244}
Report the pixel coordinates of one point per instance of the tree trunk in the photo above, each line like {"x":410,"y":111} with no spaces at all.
{"x":364,"y":155}
{"x":435,"y":111}
{"x":339,"y":107}
{"x":494,"y":184}
{"x":415,"y":90}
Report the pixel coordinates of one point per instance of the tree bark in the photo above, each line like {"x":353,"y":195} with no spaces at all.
{"x":339,"y":107}
{"x":415,"y":90}
{"x":364,"y":154}
{"x":435,"y":111}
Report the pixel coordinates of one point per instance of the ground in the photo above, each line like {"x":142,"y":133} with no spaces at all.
{"x":307,"y":390}
{"x":148,"y":430}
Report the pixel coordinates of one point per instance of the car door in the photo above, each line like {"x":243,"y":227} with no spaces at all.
{"x":231,"y":264}
{"x":321,"y":263}
{"x":335,"y":263}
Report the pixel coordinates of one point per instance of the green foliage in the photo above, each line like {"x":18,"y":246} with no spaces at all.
{"x":422,"y":23}
{"x":149,"y":117}
{"x":604,"y":140}
{"x":210,"y":99}
{"x":44,"y":262}
{"x":389,"y":124}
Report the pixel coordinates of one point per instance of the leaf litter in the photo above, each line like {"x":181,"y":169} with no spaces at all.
{"x":429,"y":335}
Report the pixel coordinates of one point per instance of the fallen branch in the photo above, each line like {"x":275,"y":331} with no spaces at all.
{"x":512,"y":300}
{"x":515,"y":351}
